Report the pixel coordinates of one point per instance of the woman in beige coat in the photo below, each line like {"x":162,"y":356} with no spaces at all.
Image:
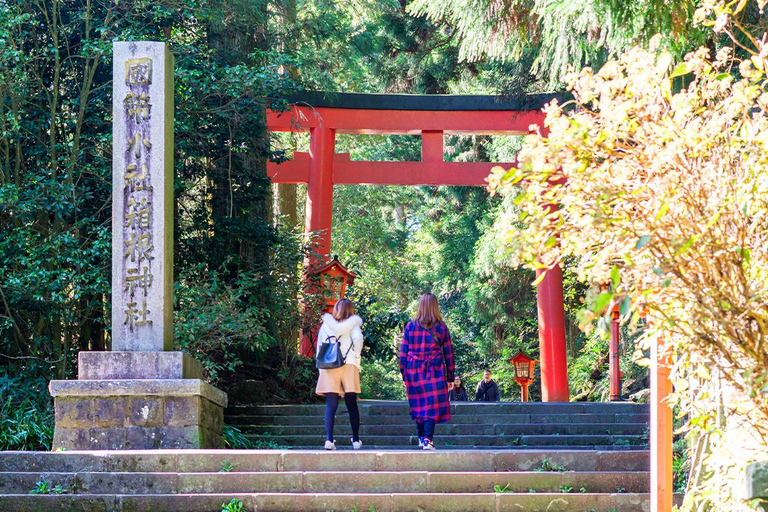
{"x":344,"y":381}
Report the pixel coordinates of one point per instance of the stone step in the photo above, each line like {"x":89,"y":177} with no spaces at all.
{"x":196,"y":461}
{"x":457,"y":419}
{"x":338,"y":502}
{"x":397,"y":482}
{"x":468,"y":447}
{"x":318,"y":439}
{"x":387,"y":408}
{"x":343,"y":429}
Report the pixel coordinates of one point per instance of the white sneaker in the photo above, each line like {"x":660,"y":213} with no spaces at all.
{"x":427,"y":445}
{"x":330,"y":445}
{"x":356,"y":444}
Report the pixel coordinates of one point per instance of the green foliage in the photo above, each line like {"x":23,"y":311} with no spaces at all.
{"x":55,"y":183}
{"x":234,"y":438}
{"x":26,"y":414}
{"x":381,"y":379}
{"x":217,"y":323}
{"x":232,"y":506}
{"x":226,"y":466}
{"x":499,"y":488}
{"x":551,"y":35}
{"x":565,"y":488}
{"x":681,"y":465}
{"x":547,"y":465}
{"x":588,"y":373}
{"x":238,"y":288}
{"x":43,"y":487}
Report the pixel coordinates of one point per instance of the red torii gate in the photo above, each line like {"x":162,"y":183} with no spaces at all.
{"x":431,"y":116}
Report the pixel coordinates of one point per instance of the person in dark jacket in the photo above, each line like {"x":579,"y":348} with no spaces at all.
{"x":487,"y":390}
{"x":459,"y":392}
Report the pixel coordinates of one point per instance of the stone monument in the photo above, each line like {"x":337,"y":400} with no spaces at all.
{"x":140,"y":395}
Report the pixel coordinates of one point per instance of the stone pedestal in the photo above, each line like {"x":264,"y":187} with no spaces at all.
{"x":137,"y":414}
{"x":137,"y":365}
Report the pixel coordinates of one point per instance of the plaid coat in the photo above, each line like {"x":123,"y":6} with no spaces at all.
{"x":426,"y":370}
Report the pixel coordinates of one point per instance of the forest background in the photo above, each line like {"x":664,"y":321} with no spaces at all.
{"x":239,"y":247}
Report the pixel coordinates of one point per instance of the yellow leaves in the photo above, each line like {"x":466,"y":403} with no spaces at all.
{"x":680,"y":70}
{"x":662,"y":210}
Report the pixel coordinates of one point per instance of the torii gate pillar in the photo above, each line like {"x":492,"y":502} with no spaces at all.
{"x":319,"y":213}
{"x":552,"y":349}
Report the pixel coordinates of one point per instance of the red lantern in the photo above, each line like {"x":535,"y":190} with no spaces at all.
{"x":525,"y":368}
{"x":330,"y":283}
{"x":332,"y":279}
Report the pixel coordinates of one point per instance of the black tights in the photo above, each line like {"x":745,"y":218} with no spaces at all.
{"x":331,"y":404}
{"x":426,"y":429}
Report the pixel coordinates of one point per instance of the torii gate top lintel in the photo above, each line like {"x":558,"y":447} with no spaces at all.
{"x":430,"y":116}
{"x":410,"y":114}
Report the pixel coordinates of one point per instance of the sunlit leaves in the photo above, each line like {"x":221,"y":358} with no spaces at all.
{"x":658,"y":205}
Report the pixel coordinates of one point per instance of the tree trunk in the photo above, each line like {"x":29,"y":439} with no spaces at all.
{"x":285,"y":205}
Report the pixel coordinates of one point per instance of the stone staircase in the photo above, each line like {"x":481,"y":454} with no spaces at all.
{"x":301,"y":481}
{"x":387,"y":425}
{"x":491,"y":458}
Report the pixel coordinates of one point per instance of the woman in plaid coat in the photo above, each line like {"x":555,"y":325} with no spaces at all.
{"x":427,"y":367}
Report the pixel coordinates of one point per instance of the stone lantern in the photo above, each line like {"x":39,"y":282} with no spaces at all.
{"x":524,"y":371}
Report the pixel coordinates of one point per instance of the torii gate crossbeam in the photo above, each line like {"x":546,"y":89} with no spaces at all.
{"x":431,"y":116}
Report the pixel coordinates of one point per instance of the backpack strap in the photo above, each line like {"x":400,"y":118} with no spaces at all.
{"x":434,"y":337}
{"x":331,"y":339}
{"x":351,"y":346}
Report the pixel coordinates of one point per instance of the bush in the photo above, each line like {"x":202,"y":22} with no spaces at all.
{"x":381,"y":380}
{"x":235,"y":439}
{"x":26,"y":415}
{"x":216,"y":323}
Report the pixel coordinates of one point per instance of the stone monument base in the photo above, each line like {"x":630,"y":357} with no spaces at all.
{"x":115,"y":365}
{"x":137,"y":414}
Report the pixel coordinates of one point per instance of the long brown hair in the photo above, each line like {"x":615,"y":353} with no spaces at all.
{"x":343,"y":310}
{"x":428,"y":314}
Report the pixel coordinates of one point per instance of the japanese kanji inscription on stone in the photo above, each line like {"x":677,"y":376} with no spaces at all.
{"x":142,"y":201}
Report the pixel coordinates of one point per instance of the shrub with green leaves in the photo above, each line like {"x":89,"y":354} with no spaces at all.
{"x":381,"y":380}
{"x":217,"y":323}
{"x":26,"y":415}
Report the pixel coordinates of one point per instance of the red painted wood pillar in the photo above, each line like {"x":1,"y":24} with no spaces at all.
{"x":552,"y":349}
{"x":661,"y":429}
{"x":613,"y":357}
{"x":319,"y":211}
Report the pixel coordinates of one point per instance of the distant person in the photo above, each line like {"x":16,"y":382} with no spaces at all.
{"x":427,"y":367}
{"x":487,"y":390}
{"x":459,"y":392}
{"x":346,"y":327}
